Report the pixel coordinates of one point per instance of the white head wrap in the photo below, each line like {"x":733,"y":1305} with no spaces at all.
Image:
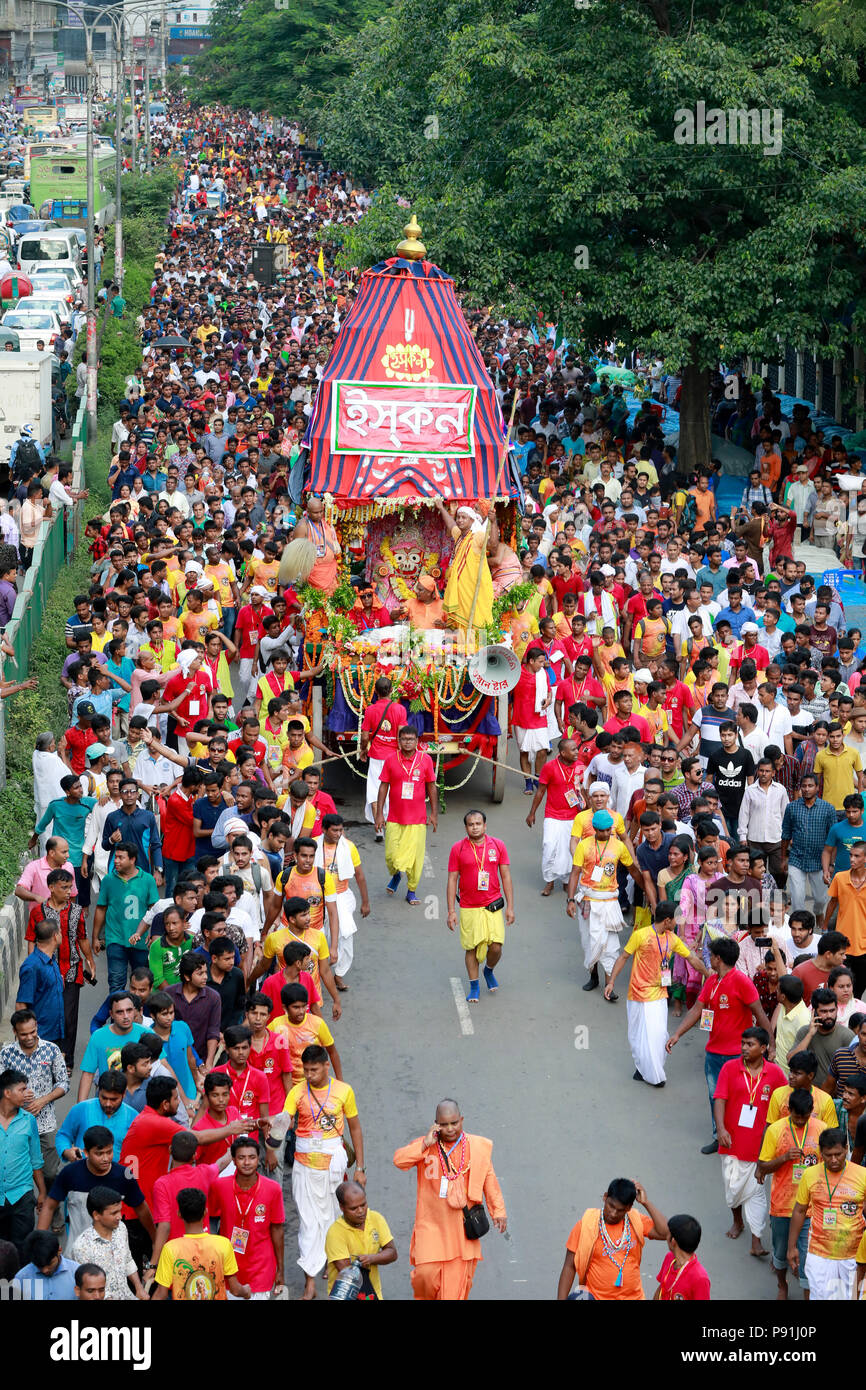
{"x":599,"y":787}
{"x":186,"y":658}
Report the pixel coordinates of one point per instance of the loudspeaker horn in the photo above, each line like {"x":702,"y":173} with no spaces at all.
{"x":494,"y":670}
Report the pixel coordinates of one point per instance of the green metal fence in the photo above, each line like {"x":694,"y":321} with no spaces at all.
{"x":58,"y":538}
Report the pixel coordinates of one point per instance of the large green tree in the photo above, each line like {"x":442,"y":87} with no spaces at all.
{"x":277,"y":55}
{"x":538,"y":143}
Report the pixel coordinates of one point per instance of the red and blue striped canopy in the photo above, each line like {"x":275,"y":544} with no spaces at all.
{"x":405,"y":332}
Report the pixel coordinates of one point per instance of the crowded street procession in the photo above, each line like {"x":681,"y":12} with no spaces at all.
{"x":444,"y":768}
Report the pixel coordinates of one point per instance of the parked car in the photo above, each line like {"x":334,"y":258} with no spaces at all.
{"x":32,"y":326}
{"x":54,"y":282}
{"x":53,"y":303}
{"x":71,"y":274}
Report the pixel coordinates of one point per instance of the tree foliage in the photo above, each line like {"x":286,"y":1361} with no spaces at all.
{"x":535,"y":139}
{"x":278,"y":55}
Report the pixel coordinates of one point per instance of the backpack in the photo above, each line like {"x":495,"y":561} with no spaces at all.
{"x":26,"y":456}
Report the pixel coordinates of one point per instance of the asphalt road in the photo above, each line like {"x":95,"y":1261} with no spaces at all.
{"x":545,"y":1073}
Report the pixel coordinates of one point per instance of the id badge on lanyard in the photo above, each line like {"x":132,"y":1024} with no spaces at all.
{"x":706,"y":1024}
{"x":408,"y":791}
{"x":240,"y":1236}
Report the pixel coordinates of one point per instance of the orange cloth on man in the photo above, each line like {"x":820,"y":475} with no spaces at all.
{"x":595,"y":1270}
{"x":443,"y":1260}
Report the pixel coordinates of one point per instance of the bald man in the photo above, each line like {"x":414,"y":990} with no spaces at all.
{"x":359,"y":1234}
{"x":454,"y":1170}
{"x":313,"y":527}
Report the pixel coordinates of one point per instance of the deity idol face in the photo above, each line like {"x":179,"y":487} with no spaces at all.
{"x":409,"y":556}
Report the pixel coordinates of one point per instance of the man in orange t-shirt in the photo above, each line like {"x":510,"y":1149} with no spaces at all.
{"x":604,"y":1247}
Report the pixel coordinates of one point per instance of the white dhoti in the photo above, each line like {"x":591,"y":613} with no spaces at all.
{"x":556,"y":857}
{"x":599,"y":932}
{"x":742,"y":1189}
{"x":830,"y":1280}
{"x":374,"y":782}
{"x":552,"y":723}
{"x":647,"y":1035}
{"x":532,"y":740}
{"x":313,"y":1192}
{"x":346,"y":904}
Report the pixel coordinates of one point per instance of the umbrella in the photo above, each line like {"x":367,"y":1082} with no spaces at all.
{"x":172,"y":341}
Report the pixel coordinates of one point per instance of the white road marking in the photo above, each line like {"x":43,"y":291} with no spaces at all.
{"x":466,"y":1024}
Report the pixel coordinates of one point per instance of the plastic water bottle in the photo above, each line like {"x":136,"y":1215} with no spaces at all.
{"x":347,"y":1284}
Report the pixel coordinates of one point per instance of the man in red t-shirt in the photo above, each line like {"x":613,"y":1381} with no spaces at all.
{"x":220,"y":1123}
{"x":741,"y":1101}
{"x":581,"y":688}
{"x":183,"y":1173}
{"x":566,"y":580}
{"x":146,"y":1147}
{"x":682,"y":1278}
{"x":269,"y":1053}
{"x":678,"y":699}
{"x":193,"y":686}
{"x":476,"y":865}
{"x":78,"y":738}
{"x":379,"y":728}
{"x":410,"y":777}
{"x":250,"y":1090}
{"x":249,"y":630}
{"x":727,"y":1004}
{"x":578,"y":644}
{"x":178,"y":840}
{"x":251,"y":1215}
{"x":625,"y":717}
{"x":559,"y":780}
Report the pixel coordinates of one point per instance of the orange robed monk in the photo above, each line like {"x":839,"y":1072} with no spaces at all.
{"x":454,"y":1170}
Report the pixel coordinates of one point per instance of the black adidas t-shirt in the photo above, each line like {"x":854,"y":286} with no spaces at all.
{"x":728,"y":772}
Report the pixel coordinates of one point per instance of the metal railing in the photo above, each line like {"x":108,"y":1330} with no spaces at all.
{"x":58,"y":537}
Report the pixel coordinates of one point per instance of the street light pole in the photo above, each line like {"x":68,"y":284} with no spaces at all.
{"x":118,"y":154}
{"x":91,"y":239}
{"x":149,"y":163}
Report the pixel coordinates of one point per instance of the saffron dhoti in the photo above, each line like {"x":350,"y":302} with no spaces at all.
{"x":405,"y":846}
{"x":480,"y":929}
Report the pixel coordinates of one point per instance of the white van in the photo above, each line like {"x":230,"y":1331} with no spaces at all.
{"x":56,"y":249}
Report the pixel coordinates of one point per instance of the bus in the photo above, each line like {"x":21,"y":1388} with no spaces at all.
{"x":58,"y":185}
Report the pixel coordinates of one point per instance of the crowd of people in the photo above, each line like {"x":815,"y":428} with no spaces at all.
{"x":691,"y":730}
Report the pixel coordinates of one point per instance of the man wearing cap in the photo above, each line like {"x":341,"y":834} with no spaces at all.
{"x":750,"y":649}
{"x":93,"y":777}
{"x":424,"y":608}
{"x":593,"y":882}
{"x":249,"y":630}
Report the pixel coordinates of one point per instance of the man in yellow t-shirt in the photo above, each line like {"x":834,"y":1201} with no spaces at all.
{"x":594,"y":876}
{"x":359,"y":1234}
{"x":822,"y":1104}
{"x":197,"y":1267}
{"x":651,"y":951}
{"x":831,"y":1194}
{"x":840,"y":767}
{"x":298,"y":1028}
{"x":321,"y":1107}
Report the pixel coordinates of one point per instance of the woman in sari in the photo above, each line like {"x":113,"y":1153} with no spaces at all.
{"x":467,"y":530}
{"x":693,"y":916}
{"x":670,"y":886}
